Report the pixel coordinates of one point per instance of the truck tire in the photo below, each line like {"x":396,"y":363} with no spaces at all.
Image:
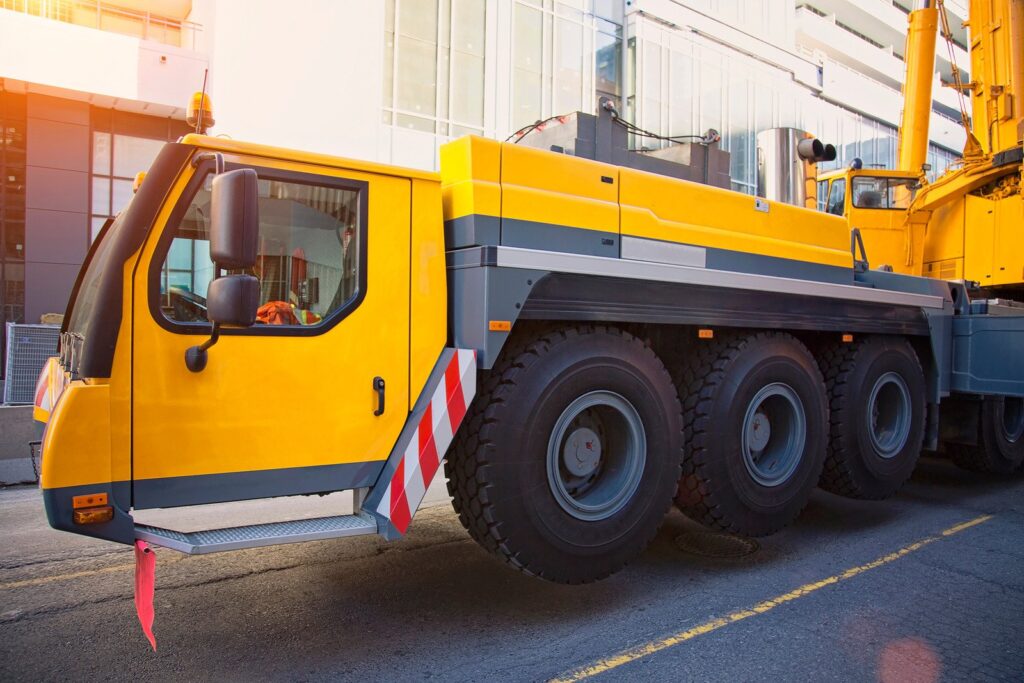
{"x":567,"y":462}
{"x":755,"y":419}
{"x":1000,"y":448}
{"x":876,"y":390}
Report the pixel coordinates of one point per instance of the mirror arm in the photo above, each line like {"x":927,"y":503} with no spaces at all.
{"x":196,"y":356}
{"x":216,"y":157}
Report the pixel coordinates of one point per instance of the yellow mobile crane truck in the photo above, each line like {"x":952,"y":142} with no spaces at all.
{"x":581,"y":339}
{"x":969,"y":223}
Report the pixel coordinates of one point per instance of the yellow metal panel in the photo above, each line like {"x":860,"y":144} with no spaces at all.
{"x":1008,"y":240}
{"x":267,"y":402}
{"x":978,"y":240}
{"x":945,"y":237}
{"x":120,"y":385}
{"x":950,"y":269}
{"x":76,"y":445}
{"x":470,"y":177}
{"x":228,"y":146}
{"x":658,"y":207}
{"x":561,"y":189}
{"x":428,"y":287}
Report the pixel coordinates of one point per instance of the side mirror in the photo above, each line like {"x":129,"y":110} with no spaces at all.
{"x":230,"y":300}
{"x":234,"y":240}
{"x":233,"y":300}
{"x":235,"y":219}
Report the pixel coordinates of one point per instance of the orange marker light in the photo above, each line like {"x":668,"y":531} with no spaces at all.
{"x":137,"y":183}
{"x":500,"y":326}
{"x":89,"y":501}
{"x":847,"y":338}
{"x":706,"y":334}
{"x":94,"y":515}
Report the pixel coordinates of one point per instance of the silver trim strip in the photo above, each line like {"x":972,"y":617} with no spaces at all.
{"x":558,"y":262}
{"x":657,"y":251}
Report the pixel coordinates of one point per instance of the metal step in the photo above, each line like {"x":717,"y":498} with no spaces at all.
{"x":257,"y":535}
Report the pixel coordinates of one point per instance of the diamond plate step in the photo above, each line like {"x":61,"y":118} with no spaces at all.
{"x":257,"y":535}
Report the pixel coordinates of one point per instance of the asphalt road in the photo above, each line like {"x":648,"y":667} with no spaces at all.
{"x":927,"y":586}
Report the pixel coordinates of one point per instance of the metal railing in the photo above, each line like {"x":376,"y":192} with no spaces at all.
{"x":107,"y":16}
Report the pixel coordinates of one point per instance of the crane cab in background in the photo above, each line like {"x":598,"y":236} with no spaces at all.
{"x":875,"y":201}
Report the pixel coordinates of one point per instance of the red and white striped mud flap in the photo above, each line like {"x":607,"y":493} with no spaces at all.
{"x":145,"y":585}
{"x":424,"y":441}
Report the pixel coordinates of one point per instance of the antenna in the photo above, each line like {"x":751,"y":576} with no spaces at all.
{"x":202,"y":102}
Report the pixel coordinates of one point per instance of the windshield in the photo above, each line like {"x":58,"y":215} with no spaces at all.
{"x":87,"y":295}
{"x":882,"y":193}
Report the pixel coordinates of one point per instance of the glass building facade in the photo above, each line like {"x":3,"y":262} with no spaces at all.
{"x":468,"y":66}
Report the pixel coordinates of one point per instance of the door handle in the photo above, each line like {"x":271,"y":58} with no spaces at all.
{"x":378,"y":386}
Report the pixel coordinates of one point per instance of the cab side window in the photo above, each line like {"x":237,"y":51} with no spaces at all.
{"x":308,"y":261}
{"x":837,"y":197}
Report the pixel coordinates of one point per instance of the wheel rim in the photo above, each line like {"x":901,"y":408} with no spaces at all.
{"x":774,"y":434}
{"x":1013,"y":419}
{"x":888,"y":415}
{"x":596,"y":455}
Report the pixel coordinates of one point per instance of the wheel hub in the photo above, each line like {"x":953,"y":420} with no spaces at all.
{"x":1013,"y":419}
{"x":774,"y":434}
{"x":889,"y":414}
{"x":582,"y":452}
{"x":596,"y":455}
{"x":759,"y":432}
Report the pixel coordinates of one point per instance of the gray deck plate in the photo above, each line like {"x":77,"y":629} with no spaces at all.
{"x":256,"y":535}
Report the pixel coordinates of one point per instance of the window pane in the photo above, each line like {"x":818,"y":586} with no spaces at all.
{"x":132,"y":154}
{"x":308,"y":261}
{"x":901,"y":193}
{"x":468,"y":93}
{"x":179,"y":257}
{"x":837,"y":197}
{"x":609,"y":59}
{"x":526,"y":98}
{"x":95,"y":225}
{"x":101,"y":196}
{"x":122,"y":194}
{"x":417,"y":77}
{"x":527,"y":39}
{"x":609,"y":9}
{"x":414,"y":122}
{"x":468,"y":26}
{"x":418,"y":19}
{"x":568,"y":66}
{"x":101,"y":153}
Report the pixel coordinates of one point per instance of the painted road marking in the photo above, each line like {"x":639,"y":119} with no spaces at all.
{"x":641,"y":651}
{"x":64,"y":577}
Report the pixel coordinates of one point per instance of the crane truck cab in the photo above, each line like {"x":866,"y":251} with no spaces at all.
{"x":875,"y":202}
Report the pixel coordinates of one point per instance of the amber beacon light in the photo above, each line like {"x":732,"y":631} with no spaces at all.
{"x":199,"y":114}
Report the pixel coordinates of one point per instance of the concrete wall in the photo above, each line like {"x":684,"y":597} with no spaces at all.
{"x":309,"y":77}
{"x":59,"y":55}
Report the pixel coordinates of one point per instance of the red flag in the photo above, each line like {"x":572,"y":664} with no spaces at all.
{"x":145,"y":583}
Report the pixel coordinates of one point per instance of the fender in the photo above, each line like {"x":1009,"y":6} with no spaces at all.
{"x":417,"y":455}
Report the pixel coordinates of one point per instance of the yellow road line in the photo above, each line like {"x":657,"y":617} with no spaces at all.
{"x":64,"y":577}
{"x":654,"y":646}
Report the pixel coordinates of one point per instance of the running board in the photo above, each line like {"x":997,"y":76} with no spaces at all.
{"x":257,"y":535}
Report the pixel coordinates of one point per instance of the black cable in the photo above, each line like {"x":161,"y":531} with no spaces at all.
{"x":526,"y":130}
{"x":637,"y":130}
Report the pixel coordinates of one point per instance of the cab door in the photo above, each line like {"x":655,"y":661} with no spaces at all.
{"x":310,"y":399}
